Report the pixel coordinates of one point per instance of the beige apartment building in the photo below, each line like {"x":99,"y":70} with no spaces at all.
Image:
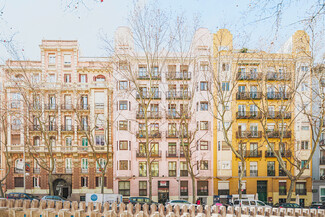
{"x":55,"y":106}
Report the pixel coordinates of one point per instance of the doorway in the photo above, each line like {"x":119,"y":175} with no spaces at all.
{"x":262,"y":191}
{"x":61,"y":188}
{"x":163,"y":191}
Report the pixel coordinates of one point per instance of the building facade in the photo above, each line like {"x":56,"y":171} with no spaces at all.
{"x":167,"y":98}
{"x":266,"y":91}
{"x":55,"y":107}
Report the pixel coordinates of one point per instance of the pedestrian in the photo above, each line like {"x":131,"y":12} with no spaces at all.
{"x":198,"y":202}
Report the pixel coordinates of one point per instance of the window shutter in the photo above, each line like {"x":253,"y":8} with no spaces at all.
{"x":97,"y":181}
{"x":129,"y":145}
{"x":197,"y":165}
{"x":94,"y":78}
{"x":86,"y":181}
{"x":105,"y":181}
{"x":129,"y":165}
{"x":86,"y":78}
{"x":129,"y":125}
{"x":33,"y":181}
{"x":197,"y":86}
{"x":129,"y":106}
{"x":197,"y":125}
{"x":81,"y":181}
{"x":39,"y":181}
{"x":79,"y":77}
{"x":197,"y":145}
{"x":116,"y":165}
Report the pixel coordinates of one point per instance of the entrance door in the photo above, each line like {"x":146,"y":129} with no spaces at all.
{"x":302,"y":202}
{"x":163,"y":191}
{"x":262,"y":191}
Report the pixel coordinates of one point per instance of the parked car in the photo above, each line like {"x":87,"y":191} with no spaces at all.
{"x":22,"y":196}
{"x":316,"y":206}
{"x":54,"y":198}
{"x":180,"y":203}
{"x":141,"y":200}
{"x":246,"y":202}
{"x":287,"y":205}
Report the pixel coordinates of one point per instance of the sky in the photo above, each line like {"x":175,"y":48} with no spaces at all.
{"x":85,"y":20}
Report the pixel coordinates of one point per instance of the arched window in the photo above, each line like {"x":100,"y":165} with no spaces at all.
{"x":36,"y":141}
{"x":52,"y":141}
{"x":100,"y":164}
{"x":99,"y":78}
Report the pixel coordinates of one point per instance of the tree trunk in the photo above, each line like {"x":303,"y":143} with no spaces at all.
{"x":1,"y":191}
{"x":150,"y":182}
{"x":51,"y":192}
{"x":292,"y":185}
{"x":102,"y":184}
{"x":239,"y":188}
{"x":193,"y":188}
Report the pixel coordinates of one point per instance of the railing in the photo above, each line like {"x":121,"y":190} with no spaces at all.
{"x":152,"y":134}
{"x":141,"y":154}
{"x":278,"y":95}
{"x":149,"y":76}
{"x":15,"y":127}
{"x":282,"y":173}
{"x":279,"y":115}
{"x":251,"y":153}
{"x":276,"y":76}
{"x":15,"y":105}
{"x":150,"y":115}
{"x":36,"y":170}
{"x":270,"y":172}
{"x":35,"y":106}
{"x":249,"y":76}
{"x":83,"y":127}
{"x":172,"y":173}
{"x":171,"y":154}
{"x":67,"y":128}
{"x":282,"y":153}
{"x":249,"y":134}
{"x":83,"y":170}
{"x":202,"y":193}
{"x":248,"y":95}
{"x":253,"y":173}
{"x":183,"y":173}
{"x":16,"y":170}
{"x":173,"y":95}
{"x":301,"y":191}
{"x":278,"y":134}
{"x":178,"y":75}
{"x":171,"y":134}
{"x":149,"y":95}
{"x":176,"y":115}
{"x":50,"y":106}
{"x":322,"y":161}
{"x":68,"y":170}
{"x":52,"y":127}
{"x":83,"y":107}
{"x":248,"y":115}
{"x":99,"y":105}
{"x":67,"y":107}
{"x":34,"y":128}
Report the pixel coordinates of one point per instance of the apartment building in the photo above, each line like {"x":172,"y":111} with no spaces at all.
{"x":59,"y":107}
{"x":266,"y":95}
{"x":166,"y":98}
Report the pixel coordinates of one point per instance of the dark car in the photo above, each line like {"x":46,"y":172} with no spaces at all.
{"x":287,"y":205}
{"x":141,"y":200}
{"x":317,"y":206}
{"x":22,"y":196}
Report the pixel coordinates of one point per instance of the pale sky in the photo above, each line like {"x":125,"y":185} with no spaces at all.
{"x":34,"y":20}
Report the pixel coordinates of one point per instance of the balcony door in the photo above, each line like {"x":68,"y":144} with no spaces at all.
{"x":68,"y":123}
{"x":67,"y":102}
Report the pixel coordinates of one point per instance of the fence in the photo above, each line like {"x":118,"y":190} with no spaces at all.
{"x":20,"y":208}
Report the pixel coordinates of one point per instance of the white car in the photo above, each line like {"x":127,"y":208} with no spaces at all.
{"x":180,"y":203}
{"x":250,"y":203}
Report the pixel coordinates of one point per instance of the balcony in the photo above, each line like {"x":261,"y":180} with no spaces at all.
{"x":171,"y":134}
{"x":178,"y":95}
{"x":178,"y":75}
{"x":253,"y":76}
{"x":278,"y":134}
{"x":251,"y":153}
{"x":278,"y":95}
{"x":282,"y":173}
{"x":275,"y":76}
{"x":152,"y":134}
{"x":248,"y":115}
{"x":149,"y":95}
{"x":177,"y":115}
{"x":148,"y":76}
{"x":150,"y":115}
{"x":51,"y":127}
{"x":253,"y":173}
{"x":68,"y":170}
{"x":279,"y":115}
{"x":172,"y":173}
{"x":183,"y":173}
{"x":35,"y":106}
{"x":36,"y":170}
{"x":66,"y":107}
{"x":99,"y":105}
{"x":301,"y":191}
{"x":83,"y":127}
{"x":83,"y":107}
{"x":67,"y":128}
{"x":51,"y":107}
{"x":248,"y":95}
{"x":249,"y":134}
{"x":19,"y":171}
{"x":283,"y":153}
{"x":141,"y":154}
{"x":171,"y":154}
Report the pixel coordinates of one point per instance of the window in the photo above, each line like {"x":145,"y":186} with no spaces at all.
{"x":304,"y":145}
{"x":304,"y":68}
{"x":301,"y":188}
{"x":142,"y":188}
{"x":51,"y":59}
{"x":203,"y":86}
{"x":67,"y":78}
{"x":183,"y":168}
{"x":172,"y":149}
{"x":19,"y":182}
{"x":253,"y":169}
{"x":51,"y":78}
{"x":100,"y":164}
{"x":204,"y":165}
{"x":184,"y":188}
{"x":304,"y":87}
{"x":84,"y":182}
{"x":84,"y":164}
{"x":67,"y":59}
{"x":204,"y":145}
{"x":68,"y":164}
{"x":36,"y":78}
{"x":225,"y":67}
{"x":202,"y":188}
{"x":123,"y":105}
{"x":172,"y":168}
{"x":82,"y":78}
{"x":143,"y":169}
{"x":304,"y":127}
{"x":99,"y":181}
{"x":225,"y":146}
{"x":155,"y":169}
{"x":282,"y":188}
{"x":225,"y":165}
{"x":100,"y":140}
{"x":225,"y":86}
{"x":123,"y":85}
{"x":270,"y":168}
{"x":123,"y":125}
{"x":84,"y":141}
{"x":36,"y":141}
{"x":124,"y":164}
{"x":36,"y":182}
{"x":303,"y":163}
{"x":204,"y":106}
{"x":204,"y":125}
{"x":123,"y":145}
